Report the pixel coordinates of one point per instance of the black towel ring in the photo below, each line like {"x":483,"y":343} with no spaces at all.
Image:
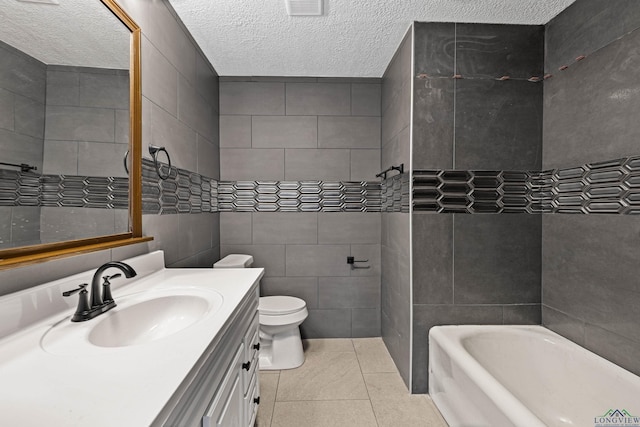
{"x":154,"y":150}
{"x":126,"y":168}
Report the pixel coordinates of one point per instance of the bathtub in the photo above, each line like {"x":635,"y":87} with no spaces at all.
{"x":526,"y":376}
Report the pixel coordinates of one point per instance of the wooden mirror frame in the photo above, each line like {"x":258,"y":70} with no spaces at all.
{"x":38,"y":253}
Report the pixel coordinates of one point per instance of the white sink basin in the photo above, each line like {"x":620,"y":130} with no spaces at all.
{"x":138,"y":319}
{"x":148,"y":321}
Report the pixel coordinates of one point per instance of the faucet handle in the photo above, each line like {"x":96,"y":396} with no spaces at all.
{"x":83,"y":302}
{"x":80,"y":288}
{"x":106,"y":288}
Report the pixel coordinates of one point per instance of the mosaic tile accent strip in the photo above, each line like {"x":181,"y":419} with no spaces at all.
{"x":29,"y":189}
{"x":19,"y":189}
{"x":299,"y":196}
{"x":459,"y":191}
{"x":611,"y":187}
{"x":84,"y":191}
{"x":182,"y":192}
{"x":395,"y":194}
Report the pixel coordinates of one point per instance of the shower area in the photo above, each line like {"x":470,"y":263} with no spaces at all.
{"x":520,"y":143}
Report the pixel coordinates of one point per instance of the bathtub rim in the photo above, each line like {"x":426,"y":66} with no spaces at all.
{"x":511,"y":407}
{"x":451,"y":338}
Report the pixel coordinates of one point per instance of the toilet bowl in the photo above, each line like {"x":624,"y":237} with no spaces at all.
{"x":280,"y":318}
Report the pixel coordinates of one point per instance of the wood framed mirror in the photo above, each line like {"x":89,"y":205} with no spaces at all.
{"x":85,"y":132}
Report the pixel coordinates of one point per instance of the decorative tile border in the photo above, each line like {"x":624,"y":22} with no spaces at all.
{"x":299,"y":196}
{"x":29,"y":189}
{"x":611,"y":187}
{"x":459,"y":191}
{"x":182,"y":192}
{"x":395,"y":194}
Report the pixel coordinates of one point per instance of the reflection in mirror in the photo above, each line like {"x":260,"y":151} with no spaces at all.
{"x":64,"y":110}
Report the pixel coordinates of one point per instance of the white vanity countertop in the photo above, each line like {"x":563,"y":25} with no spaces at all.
{"x":115,"y":386}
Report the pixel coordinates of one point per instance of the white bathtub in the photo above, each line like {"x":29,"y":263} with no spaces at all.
{"x":526,"y":376}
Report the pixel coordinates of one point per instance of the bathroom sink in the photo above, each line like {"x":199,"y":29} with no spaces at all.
{"x":138,"y":319}
{"x":148,"y":321}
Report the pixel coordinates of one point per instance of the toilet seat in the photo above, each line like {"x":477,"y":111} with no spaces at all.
{"x":280,"y":305}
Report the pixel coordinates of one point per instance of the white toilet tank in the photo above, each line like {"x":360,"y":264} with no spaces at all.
{"x":235,"y":261}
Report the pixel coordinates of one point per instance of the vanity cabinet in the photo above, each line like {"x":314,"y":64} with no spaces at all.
{"x":223,"y":389}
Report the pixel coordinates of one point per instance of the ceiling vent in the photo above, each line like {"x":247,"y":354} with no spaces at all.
{"x":304,"y":7}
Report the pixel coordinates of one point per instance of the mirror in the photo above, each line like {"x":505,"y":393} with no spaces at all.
{"x":69,"y":111}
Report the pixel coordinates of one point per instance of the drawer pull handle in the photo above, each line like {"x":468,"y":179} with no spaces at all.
{"x":256,"y":400}
{"x":256,"y":346}
{"x":246,"y":365}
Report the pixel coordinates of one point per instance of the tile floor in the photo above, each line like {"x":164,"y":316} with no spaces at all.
{"x":343,"y":382}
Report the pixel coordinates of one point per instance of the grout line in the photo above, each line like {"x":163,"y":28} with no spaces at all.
{"x":375,"y":417}
{"x":365,"y":383}
{"x":455,"y":86}
{"x":453,"y":259}
{"x":250,"y":132}
{"x":275,"y":399}
{"x":350,"y":99}
{"x":324,"y":400}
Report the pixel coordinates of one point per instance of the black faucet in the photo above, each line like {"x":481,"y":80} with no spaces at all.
{"x":100,"y":303}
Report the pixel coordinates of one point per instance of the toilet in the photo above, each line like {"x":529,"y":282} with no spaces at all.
{"x":280,"y":318}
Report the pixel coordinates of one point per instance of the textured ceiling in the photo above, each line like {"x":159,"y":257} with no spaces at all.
{"x":75,"y":32}
{"x":354,"y":38}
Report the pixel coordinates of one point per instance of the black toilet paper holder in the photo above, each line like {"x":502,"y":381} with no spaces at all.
{"x":352,"y":261}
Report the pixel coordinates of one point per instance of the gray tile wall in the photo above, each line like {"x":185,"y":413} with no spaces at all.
{"x":297,"y":129}
{"x":22,"y":96}
{"x":590,"y":109}
{"x":475,"y":268}
{"x":592,"y":24}
{"x":180,"y":105}
{"x":86,"y":134}
{"x":306,"y":129}
{"x":87,"y":121}
{"x":305,"y":255}
{"x":396,"y":253}
{"x":186,"y":122}
{"x":590,"y":269}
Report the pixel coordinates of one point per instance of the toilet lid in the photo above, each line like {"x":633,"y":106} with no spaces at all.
{"x":280,"y":305}
{"x":234,"y":261}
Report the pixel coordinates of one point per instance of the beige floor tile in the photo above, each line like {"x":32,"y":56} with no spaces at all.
{"x":410,"y":411}
{"x":373,"y":355}
{"x":264,"y":416}
{"x":323,"y":376}
{"x":435,"y":410}
{"x":268,"y":385}
{"x":268,"y":388}
{"x":385,"y":385}
{"x":332,"y":413}
{"x":328,"y":344}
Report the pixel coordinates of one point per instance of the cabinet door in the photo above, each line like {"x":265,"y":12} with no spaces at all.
{"x":251,"y":401}
{"x":227,"y":406}
{"x":251,"y":345}
{"x":232,"y":414}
